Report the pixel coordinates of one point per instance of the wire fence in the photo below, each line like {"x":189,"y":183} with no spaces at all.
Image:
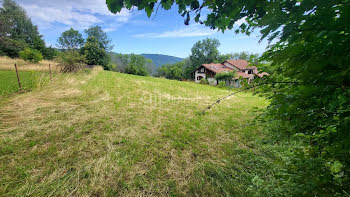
{"x":13,"y":81}
{"x":245,"y":89}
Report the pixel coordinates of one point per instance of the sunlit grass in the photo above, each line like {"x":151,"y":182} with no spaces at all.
{"x":28,"y":79}
{"x":7,"y":63}
{"x":108,"y":133}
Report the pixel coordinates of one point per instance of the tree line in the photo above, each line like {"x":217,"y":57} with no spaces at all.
{"x":96,"y":50}
{"x":92,"y":51}
{"x":132,"y":64}
{"x":20,"y":38}
{"x":17,"y":33}
{"x":203,"y":52}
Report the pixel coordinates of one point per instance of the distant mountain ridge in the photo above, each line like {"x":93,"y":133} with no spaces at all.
{"x":159,"y":59}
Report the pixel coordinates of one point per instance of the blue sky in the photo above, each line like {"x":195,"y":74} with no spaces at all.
{"x":133,"y":32}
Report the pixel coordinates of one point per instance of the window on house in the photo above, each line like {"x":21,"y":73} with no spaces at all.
{"x":199,"y":78}
{"x":201,"y":70}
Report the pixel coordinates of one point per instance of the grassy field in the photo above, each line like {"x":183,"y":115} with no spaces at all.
{"x":111,"y":134}
{"x":29,"y":80}
{"x":7,"y":63}
{"x":31,"y":75}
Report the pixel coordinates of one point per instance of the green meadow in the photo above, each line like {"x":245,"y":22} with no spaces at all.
{"x":9,"y":83}
{"x":111,"y":134}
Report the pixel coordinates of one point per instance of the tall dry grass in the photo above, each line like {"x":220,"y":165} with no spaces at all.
{"x":7,"y":63}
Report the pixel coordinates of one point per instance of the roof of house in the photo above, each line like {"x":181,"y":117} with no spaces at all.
{"x":240,"y":64}
{"x":251,"y":67}
{"x":262,"y":74}
{"x":216,"y":68}
{"x":242,"y":74}
{"x":254,"y":69}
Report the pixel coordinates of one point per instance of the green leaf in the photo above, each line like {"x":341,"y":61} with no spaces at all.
{"x":167,"y":4}
{"x":194,"y":5}
{"x":149,"y":9}
{"x":114,"y":5}
{"x":336,"y":167}
{"x":196,"y":19}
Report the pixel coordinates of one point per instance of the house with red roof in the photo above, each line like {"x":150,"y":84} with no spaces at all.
{"x":242,"y":68}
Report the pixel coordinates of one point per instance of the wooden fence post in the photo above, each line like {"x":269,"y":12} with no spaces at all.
{"x":19,"y":81}
{"x":50,"y":71}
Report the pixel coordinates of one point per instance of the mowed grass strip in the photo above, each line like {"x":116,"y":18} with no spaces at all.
{"x":108,"y":134}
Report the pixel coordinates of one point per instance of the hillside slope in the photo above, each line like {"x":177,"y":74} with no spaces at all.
{"x":159,"y":59}
{"x":108,"y":133}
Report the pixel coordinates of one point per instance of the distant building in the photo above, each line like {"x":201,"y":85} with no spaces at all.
{"x":208,"y":71}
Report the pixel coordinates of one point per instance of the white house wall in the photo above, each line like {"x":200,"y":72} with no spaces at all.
{"x":197,"y":74}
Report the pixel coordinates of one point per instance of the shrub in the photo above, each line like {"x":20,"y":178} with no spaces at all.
{"x":50,"y":53}
{"x":94,"y":54}
{"x":136,"y":65}
{"x":70,"y":61}
{"x":225,"y":76}
{"x":204,"y":81}
{"x":222,"y":84}
{"x":10,"y":47}
{"x":142,"y":72}
{"x":112,"y":67}
{"x":86,"y":70}
{"x":31,"y":55}
{"x":172,"y":71}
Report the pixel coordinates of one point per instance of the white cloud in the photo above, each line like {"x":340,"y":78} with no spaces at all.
{"x":241,"y":21}
{"x":78,"y":14}
{"x":188,"y":31}
{"x":109,"y":29}
{"x":52,"y":15}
